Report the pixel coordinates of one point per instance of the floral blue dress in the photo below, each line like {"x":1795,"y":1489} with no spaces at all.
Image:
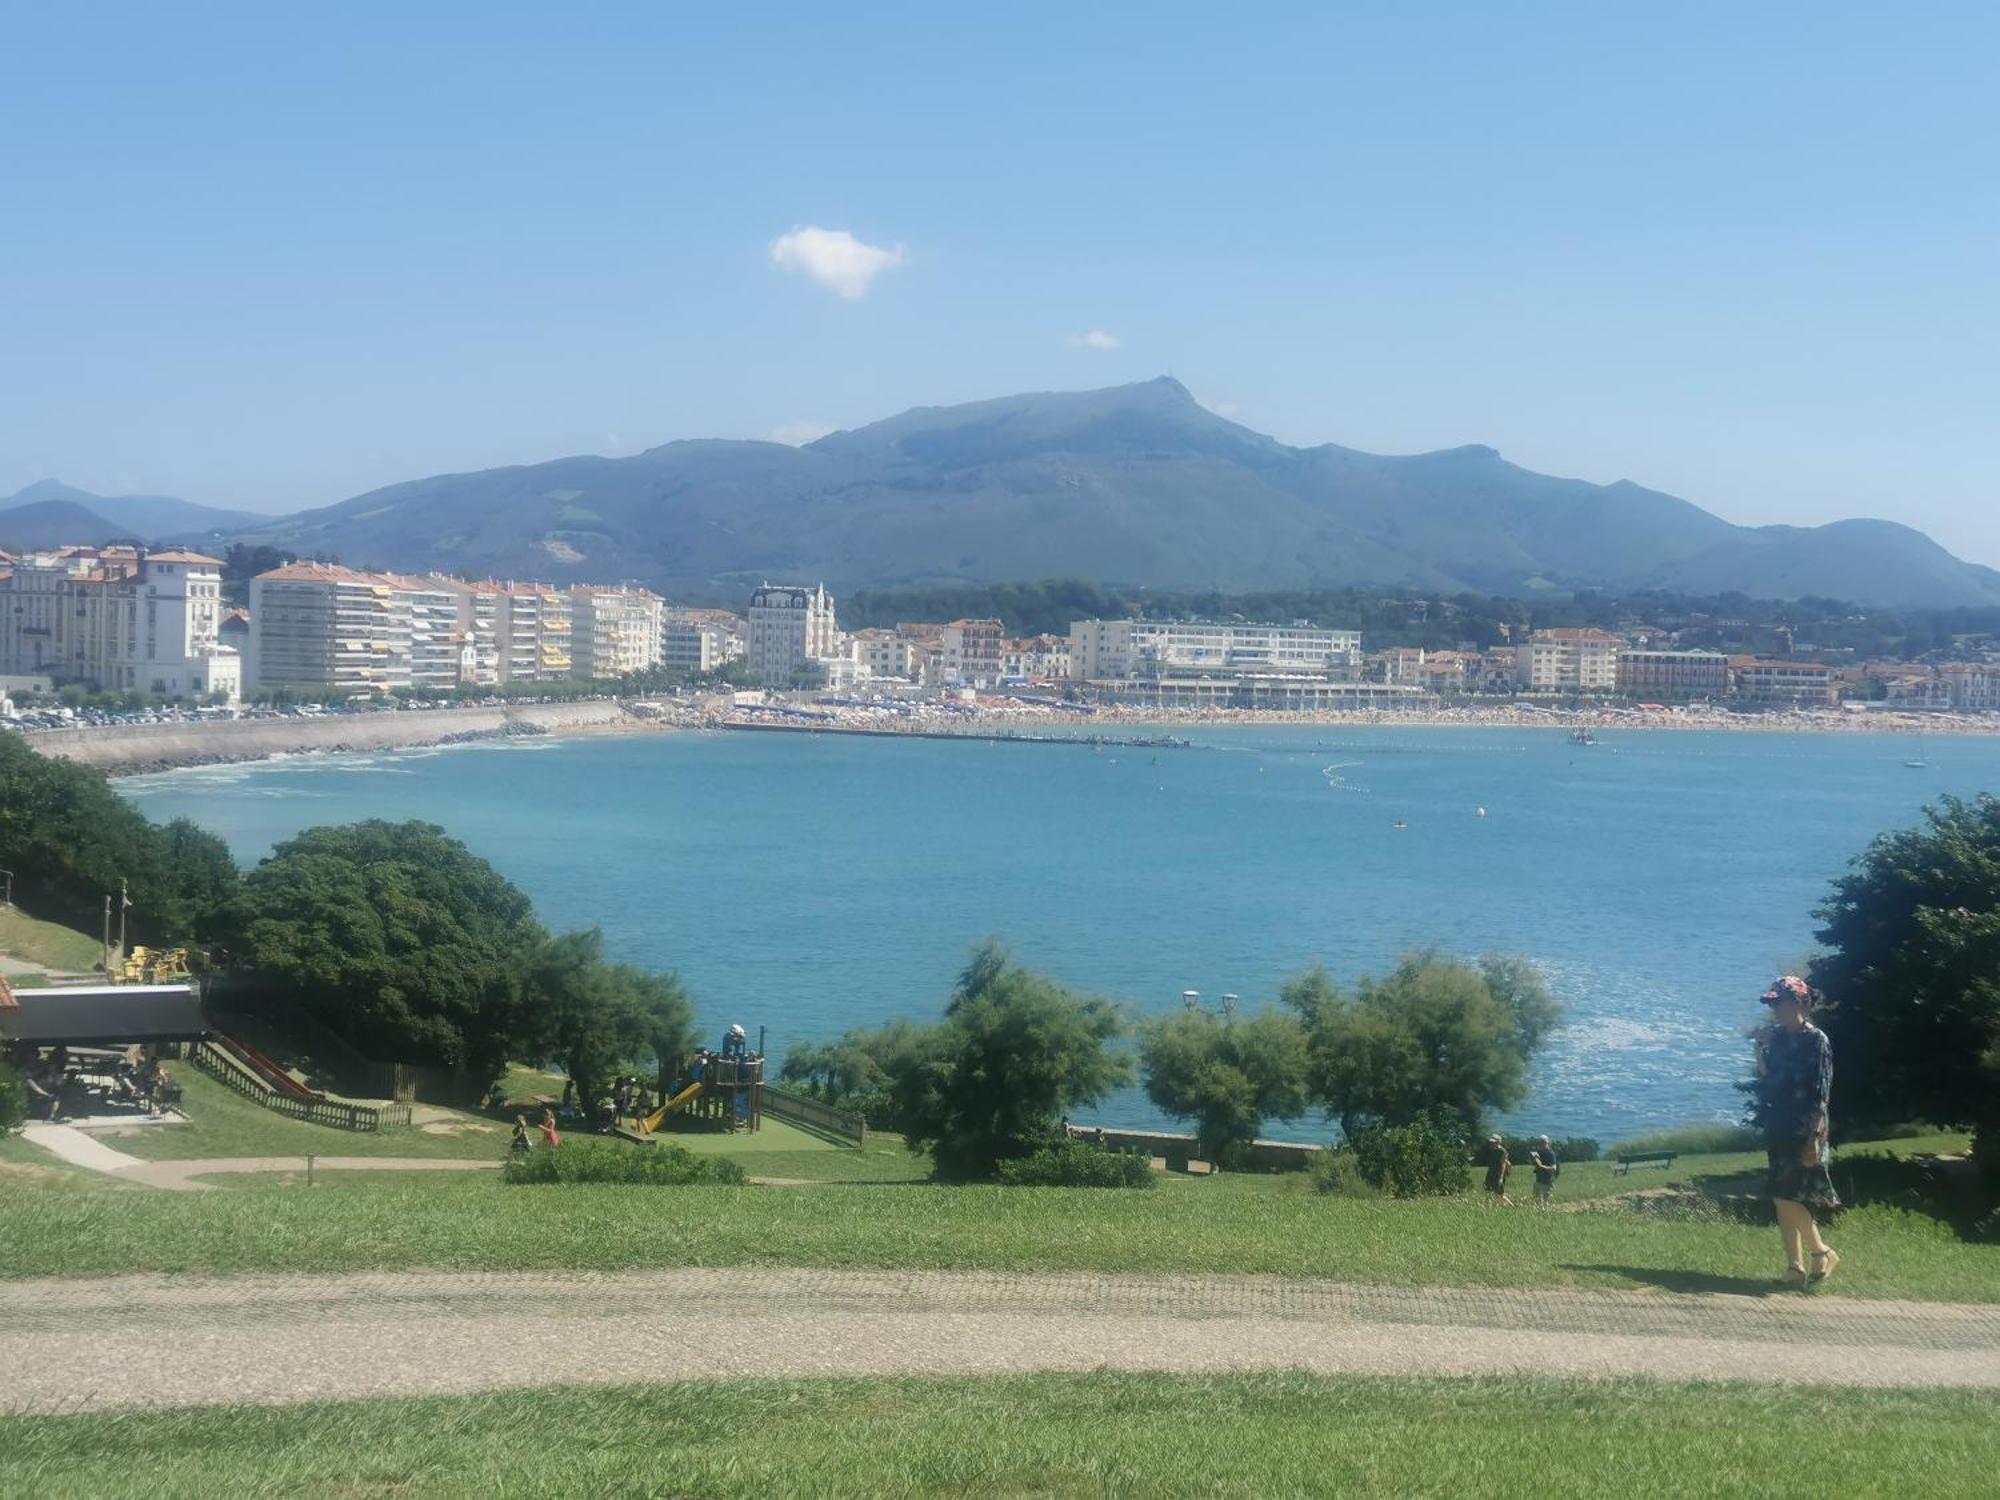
{"x":1794,"y":1078}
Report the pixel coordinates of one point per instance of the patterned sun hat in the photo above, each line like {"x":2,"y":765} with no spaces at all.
{"x":1787,"y":987}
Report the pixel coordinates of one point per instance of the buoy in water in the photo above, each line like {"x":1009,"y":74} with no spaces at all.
{"x":1482,"y":812}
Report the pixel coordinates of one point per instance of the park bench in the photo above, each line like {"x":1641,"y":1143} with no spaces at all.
{"x":1633,"y":1159}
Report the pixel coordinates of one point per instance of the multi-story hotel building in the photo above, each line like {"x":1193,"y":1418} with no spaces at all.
{"x":1568,"y":660}
{"x":118,"y":619}
{"x":1113,"y":649}
{"x":615,"y":631}
{"x":790,"y":626}
{"x":1800,"y":683}
{"x":1670,"y":675}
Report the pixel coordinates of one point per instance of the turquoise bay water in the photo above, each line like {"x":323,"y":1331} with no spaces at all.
{"x":806,"y":884}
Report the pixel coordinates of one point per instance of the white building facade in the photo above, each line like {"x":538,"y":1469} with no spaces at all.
{"x":614,"y":631}
{"x":790,"y":626}
{"x":1568,"y":660}
{"x":119,"y":619}
{"x":1114,"y":649}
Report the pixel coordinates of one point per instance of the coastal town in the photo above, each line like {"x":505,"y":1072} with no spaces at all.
{"x":153,"y":629}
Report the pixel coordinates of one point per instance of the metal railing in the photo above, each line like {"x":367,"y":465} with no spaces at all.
{"x":797,"y":1109}
{"x":341,"y":1115}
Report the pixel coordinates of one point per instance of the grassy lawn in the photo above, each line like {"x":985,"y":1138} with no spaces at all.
{"x":474,"y":1222}
{"x":221,"y":1122}
{"x":1056,"y":1435}
{"x":47,"y":944}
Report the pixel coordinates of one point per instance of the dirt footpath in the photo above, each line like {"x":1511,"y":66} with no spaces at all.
{"x":178,"y":1341}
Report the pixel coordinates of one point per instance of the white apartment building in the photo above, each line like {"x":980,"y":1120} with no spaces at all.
{"x":1803,"y":684}
{"x":328,"y":630}
{"x":615,"y":631}
{"x":1114,"y":649}
{"x":534,"y":629}
{"x":118,"y":618}
{"x":887,"y":654}
{"x":437,"y":654}
{"x":699,"y":640}
{"x":1974,"y":688}
{"x":1568,"y":660}
{"x":972,"y":651}
{"x":1036,"y":657}
{"x":1646,"y":673}
{"x":789,"y":626}
{"x":477,"y":614}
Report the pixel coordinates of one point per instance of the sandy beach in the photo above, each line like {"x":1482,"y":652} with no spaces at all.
{"x":135,"y":749}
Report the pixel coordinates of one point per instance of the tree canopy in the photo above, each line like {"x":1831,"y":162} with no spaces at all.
{"x":399,"y":937}
{"x":1434,"y":1034}
{"x":597,"y":1018}
{"x":1912,"y":976}
{"x":1015,"y":1051}
{"x":1228,"y":1075}
{"x":71,"y":840}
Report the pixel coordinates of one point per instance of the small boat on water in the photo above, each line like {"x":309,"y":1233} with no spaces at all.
{"x":1399,"y":825}
{"x":1582,"y":736}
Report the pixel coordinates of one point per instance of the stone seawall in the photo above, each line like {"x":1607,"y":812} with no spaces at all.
{"x":126,"y":749}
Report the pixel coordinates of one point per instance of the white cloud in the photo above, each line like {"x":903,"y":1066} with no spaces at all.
{"x":798,"y":434}
{"x":1095,"y":338}
{"x":834,"y":258}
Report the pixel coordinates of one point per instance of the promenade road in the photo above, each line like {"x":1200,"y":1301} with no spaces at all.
{"x":139,"y":1341}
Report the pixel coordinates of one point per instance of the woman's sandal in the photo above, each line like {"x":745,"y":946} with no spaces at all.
{"x":1794,"y":1279}
{"x":1825,"y":1263}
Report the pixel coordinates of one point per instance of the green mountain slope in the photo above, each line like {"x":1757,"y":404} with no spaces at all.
{"x":1134,"y":485}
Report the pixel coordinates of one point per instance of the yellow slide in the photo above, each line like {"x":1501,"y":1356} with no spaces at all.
{"x":652,"y":1122}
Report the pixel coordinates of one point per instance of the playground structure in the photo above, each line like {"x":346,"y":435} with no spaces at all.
{"x":724,"y":1092}
{"x":153,"y":966}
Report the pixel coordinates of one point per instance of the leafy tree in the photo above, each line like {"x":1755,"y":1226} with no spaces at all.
{"x":666,"y":1016}
{"x":398,"y":937}
{"x":1912,"y":976}
{"x":72,"y":840}
{"x":1227,"y":1075}
{"x":857,"y":1070}
{"x":1014,"y":1051}
{"x":584,"y":1015}
{"x":1435,"y":1034}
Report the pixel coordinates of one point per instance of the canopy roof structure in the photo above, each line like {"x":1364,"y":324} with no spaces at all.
{"x":112,"y":1015}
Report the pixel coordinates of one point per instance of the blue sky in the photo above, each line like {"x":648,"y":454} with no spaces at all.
{"x":1747,"y":254}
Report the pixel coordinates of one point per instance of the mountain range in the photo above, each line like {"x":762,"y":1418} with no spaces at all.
{"x":50,"y":513}
{"x":1135,"y":485}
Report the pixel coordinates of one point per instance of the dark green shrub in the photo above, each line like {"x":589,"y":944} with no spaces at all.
{"x":1578,"y":1148}
{"x":1425,"y":1159}
{"x":1077,"y":1164}
{"x":13,"y":1096}
{"x":610,"y":1161}
{"x":1332,"y":1171}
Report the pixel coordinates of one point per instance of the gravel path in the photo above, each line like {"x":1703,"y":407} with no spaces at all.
{"x":174,"y":1341}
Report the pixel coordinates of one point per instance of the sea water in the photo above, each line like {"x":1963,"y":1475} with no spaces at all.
{"x":804,"y":884}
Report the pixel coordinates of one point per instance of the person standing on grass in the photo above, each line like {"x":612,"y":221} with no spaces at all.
{"x":1546,"y":1164}
{"x":1497,"y":1167}
{"x":551,"y":1137}
{"x":1794,"y":1078}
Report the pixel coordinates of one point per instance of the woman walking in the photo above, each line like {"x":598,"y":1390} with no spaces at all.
{"x":1794,"y":1076}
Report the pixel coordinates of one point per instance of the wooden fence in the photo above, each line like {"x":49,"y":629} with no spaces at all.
{"x":798,"y":1109}
{"x":220,"y":1066}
